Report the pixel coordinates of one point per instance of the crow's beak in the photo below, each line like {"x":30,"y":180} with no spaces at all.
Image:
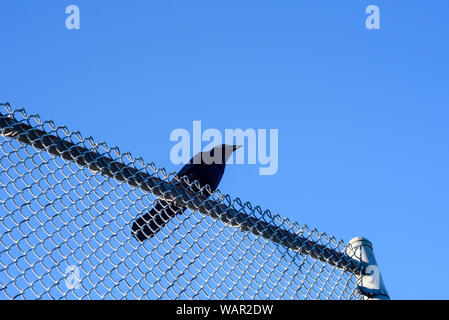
{"x":237,"y":147}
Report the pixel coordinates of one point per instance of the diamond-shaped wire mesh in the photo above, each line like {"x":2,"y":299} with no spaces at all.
{"x":67,"y":204}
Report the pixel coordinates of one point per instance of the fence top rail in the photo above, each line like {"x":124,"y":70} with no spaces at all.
{"x":109,"y":162}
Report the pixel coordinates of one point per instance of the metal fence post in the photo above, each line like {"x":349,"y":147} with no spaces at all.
{"x":370,"y":280}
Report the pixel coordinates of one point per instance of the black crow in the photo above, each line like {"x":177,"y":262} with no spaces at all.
{"x":207,"y":168}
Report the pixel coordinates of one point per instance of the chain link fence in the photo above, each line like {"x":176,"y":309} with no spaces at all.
{"x":67,"y":205}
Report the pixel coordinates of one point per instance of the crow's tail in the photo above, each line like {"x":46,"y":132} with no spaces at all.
{"x":149,"y":224}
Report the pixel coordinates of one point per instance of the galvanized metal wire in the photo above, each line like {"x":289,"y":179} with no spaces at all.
{"x":67,"y":204}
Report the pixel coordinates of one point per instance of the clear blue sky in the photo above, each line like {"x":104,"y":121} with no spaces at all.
{"x":362,"y":114}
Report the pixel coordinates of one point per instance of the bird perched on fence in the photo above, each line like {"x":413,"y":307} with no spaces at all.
{"x":205,"y":167}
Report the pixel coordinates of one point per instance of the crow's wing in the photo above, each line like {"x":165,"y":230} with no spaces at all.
{"x":185,"y":170}
{"x":194,"y":162}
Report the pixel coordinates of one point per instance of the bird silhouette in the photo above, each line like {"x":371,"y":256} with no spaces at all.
{"x":205,"y":167}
